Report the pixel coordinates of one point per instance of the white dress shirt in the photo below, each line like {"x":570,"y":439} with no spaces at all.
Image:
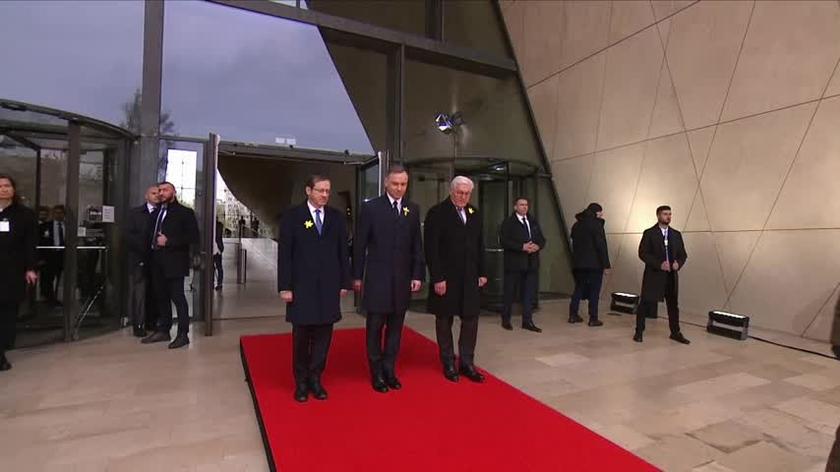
{"x":312,"y":209}
{"x":524,"y":221}
{"x":392,"y":200}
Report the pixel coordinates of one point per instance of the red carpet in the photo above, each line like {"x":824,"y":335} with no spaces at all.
{"x":429,"y":425}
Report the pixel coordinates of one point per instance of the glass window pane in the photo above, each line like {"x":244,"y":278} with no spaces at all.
{"x":83,"y":56}
{"x":253,"y":78}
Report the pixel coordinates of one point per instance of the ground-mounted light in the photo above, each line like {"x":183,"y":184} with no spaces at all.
{"x":731,"y":325}
{"x":623,"y":302}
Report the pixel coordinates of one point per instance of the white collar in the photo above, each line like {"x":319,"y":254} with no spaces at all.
{"x":150,"y":207}
{"x":312,"y":208}
{"x":392,"y":200}
{"x":522,"y":217}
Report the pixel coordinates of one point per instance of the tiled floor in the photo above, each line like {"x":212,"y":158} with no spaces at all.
{"x":717,"y":405}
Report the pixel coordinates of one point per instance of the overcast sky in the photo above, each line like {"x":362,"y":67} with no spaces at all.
{"x":245,"y":76}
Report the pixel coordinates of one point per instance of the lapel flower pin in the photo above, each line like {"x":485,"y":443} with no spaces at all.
{"x":406,"y":211}
{"x":308,"y":224}
{"x":470,"y":210}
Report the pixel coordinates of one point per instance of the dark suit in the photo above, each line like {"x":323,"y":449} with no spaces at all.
{"x":52,"y":259}
{"x":217,"y":258}
{"x":315,"y":268}
{"x":521,"y":268}
{"x":171,"y":263}
{"x":657,"y":283}
{"x":138,"y":237}
{"x":17,"y":255}
{"x":455,"y":254}
{"x":589,"y":259}
{"x":388,"y":254}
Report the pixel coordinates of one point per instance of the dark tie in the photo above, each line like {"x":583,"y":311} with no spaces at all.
{"x":161,"y":211}
{"x":396,"y":209}
{"x":527,"y":228}
{"x":60,"y":233}
{"x":319,"y":223}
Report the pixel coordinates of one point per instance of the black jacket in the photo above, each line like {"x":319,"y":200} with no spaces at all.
{"x":315,"y":268}
{"x":219,"y":237}
{"x":513,"y":234}
{"x":138,"y":235}
{"x":181,"y":230}
{"x":652,"y":253}
{"x":388,"y":254}
{"x":455,"y":254}
{"x":17,"y":251}
{"x":589,"y":242}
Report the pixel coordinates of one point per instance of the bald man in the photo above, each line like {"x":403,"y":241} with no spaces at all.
{"x":138,"y":234}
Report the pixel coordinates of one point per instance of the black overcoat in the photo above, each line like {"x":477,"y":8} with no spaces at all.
{"x":181,"y":230}
{"x":652,"y":253}
{"x":455,"y":254}
{"x":388,"y":254}
{"x":513,"y":235}
{"x":138,"y":235}
{"x":17,"y":251}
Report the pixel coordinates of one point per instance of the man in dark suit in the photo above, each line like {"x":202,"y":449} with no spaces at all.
{"x":175,"y":230}
{"x":590,"y":258}
{"x":52,"y":235}
{"x":389,"y":256}
{"x":522,"y":240}
{"x":218,"y":249}
{"x":138,"y":235}
{"x":313,"y":273}
{"x":833,"y":464}
{"x":455,"y":257}
{"x":663,"y":252}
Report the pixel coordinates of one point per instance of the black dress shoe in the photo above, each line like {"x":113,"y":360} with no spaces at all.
{"x":317,"y":390}
{"x":139,"y":331}
{"x":450,"y":373}
{"x":378,"y":384}
{"x":180,"y":341}
{"x":393,"y":382}
{"x":4,"y":364}
{"x":678,"y":337}
{"x":595,"y":322}
{"x":575,"y":319}
{"x":301,"y":393}
{"x":506,"y":325}
{"x":218,"y":287}
{"x":531,"y":327}
{"x":472,"y":374}
{"x":637,"y":337}
{"x":156,"y":337}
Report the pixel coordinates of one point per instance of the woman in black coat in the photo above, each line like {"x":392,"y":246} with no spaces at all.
{"x":18,"y":238}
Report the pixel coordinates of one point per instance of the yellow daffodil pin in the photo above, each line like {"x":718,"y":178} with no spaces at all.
{"x":406,"y":211}
{"x":470,"y":210}
{"x":308,"y":224}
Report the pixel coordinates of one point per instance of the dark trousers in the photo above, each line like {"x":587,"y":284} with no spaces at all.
{"x":587,"y":287}
{"x":384,"y":363}
{"x":138,"y":290}
{"x":526,"y":281}
{"x":649,"y":306}
{"x":168,"y":291}
{"x":51,"y":274}
{"x":833,"y":464}
{"x":310,"y":346}
{"x":466,"y":341}
{"x":220,"y":271}
{"x":8,"y":325}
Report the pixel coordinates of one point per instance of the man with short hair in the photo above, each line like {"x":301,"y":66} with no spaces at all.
{"x":52,"y":235}
{"x":455,"y":257}
{"x":175,"y":229}
{"x":138,"y":234}
{"x":313,"y":273}
{"x":590,"y":258}
{"x":522,"y":240}
{"x":388,"y":255}
{"x":663,"y":252}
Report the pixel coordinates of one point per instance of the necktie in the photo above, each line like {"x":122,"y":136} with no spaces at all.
{"x":667,"y":247}
{"x":158,"y":221}
{"x":396,"y":209}
{"x":527,"y":226}
{"x":319,"y":224}
{"x":462,"y":215}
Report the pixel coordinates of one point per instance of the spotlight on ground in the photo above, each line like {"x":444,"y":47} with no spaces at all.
{"x":624,"y":302}
{"x":718,"y":318}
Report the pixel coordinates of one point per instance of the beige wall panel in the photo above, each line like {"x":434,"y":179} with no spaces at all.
{"x":613,"y":183}
{"x":788,"y":56}
{"x":700,"y":142}
{"x":734,"y":249}
{"x":585,"y":29}
{"x":667,"y":118}
{"x":514,"y":16}
{"x":663,"y":8}
{"x":789,"y":278}
{"x":667,"y":178}
{"x":627,"y":269}
{"x":578,"y":105}
{"x":571,"y":177}
{"x":628,"y":17}
{"x":698,"y":220}
{"x":701,"y":282}
{"x":543,"y":98}
{"x":632,"y":74}
{"x":810,"y":197}
{"x":702,"y":53}
{"x":614,"y":248}
{"x":664,"y":27}
{"x":820,"y":329}
{"x":747,"y":164}
{"x":834,"y":86}
{"x":542,"y":35}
